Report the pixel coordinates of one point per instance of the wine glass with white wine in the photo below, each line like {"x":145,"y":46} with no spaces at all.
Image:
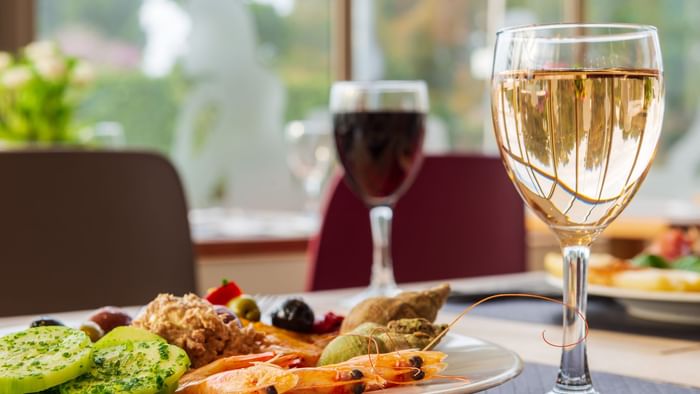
{"x":577,"y":110}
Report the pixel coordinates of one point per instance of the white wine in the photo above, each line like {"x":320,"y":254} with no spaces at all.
{"x":578,"y":143}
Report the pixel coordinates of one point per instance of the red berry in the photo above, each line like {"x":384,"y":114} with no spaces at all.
{"x":331,"y":322}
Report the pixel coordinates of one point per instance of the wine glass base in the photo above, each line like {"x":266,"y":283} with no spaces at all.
{"x":573,"y":390}
{"x":369,"y":292}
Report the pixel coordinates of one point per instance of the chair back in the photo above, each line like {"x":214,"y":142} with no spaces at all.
{"x":84,"y":229}
{"x":461,"y":217}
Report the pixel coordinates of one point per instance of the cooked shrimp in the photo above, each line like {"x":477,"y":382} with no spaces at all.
{"x":232,"y":363}
{"x":395,"y":368}
{"x":259,"y":379}
{"x":357,"y":375}
{"x":370,"y":372}
{"x":335,"y":379}
{"x":308,"y":346}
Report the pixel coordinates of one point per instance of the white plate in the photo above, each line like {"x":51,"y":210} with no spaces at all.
{"x":664,"y":306}
{"x":484,"y":364}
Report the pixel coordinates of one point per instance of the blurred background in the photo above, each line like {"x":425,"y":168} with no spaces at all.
{"x":236,"y":94}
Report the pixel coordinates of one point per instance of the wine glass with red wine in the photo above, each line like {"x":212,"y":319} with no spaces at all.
{"x":379,"y":128}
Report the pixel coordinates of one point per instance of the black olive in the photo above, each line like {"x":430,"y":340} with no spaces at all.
{"x":46,"y":321}
{"x":294,"y":315}
{"x":270,"y":390}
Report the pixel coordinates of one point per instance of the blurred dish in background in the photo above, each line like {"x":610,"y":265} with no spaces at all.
{"x":664,"y":306}
{"x":662,"y":283}
{"x":236,"y":224}
{"x":609,"y":271}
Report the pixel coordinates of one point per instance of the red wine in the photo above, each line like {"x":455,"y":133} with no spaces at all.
{"x":380,"y":152}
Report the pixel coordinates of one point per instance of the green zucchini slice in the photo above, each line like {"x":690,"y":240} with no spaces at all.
{"x":135,"y":367}
{"x":42,"y":357}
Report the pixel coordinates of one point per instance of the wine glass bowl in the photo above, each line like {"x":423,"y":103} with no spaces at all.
{"x":380,"y":152}
{"x":309,"y":156}
{"x":379,"y":128}
{"x":577,"y":111}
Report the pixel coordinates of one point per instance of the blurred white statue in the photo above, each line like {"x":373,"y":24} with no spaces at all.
{"x":166,"y":26}
{"x":229,"y":145}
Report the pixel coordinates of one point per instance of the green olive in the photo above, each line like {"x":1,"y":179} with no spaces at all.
{"x":245,"y":308}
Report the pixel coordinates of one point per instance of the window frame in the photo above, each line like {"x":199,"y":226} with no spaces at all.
{"x":18,"y":22}
{"x":341,"y":48}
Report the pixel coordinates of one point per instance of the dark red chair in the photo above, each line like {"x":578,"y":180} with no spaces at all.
{"x":462,"y":217}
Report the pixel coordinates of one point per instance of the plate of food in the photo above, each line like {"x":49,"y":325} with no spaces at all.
{"x":217,"y":344}
{"x":662,"y":283}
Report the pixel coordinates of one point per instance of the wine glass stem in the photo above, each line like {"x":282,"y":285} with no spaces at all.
{"x":573,"y":371}
{"x":312,"y":189}
{"x":382,"y":269}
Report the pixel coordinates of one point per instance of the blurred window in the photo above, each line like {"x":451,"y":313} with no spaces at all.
{"x":215,"y":84}
{"x":676,"y":171}
{"x":210,"y":83}
{"x":448,"y":43}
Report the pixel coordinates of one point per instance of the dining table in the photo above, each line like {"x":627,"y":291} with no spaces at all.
{"x":626,"y":355}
